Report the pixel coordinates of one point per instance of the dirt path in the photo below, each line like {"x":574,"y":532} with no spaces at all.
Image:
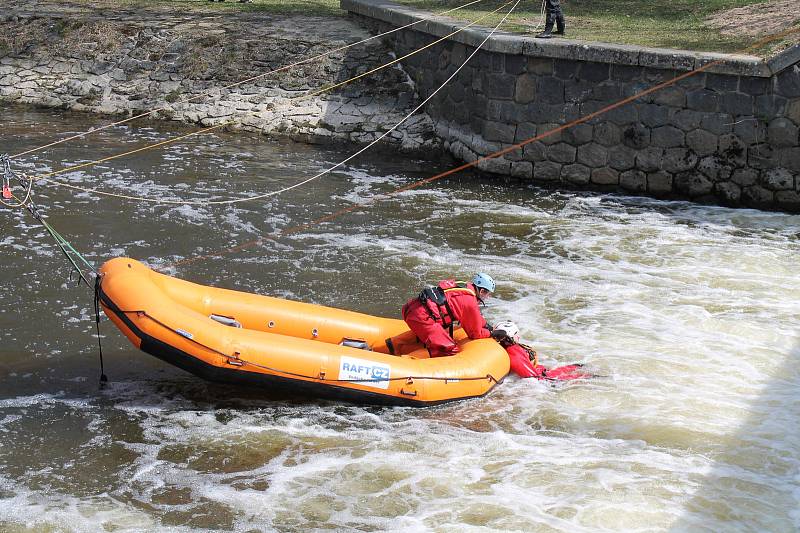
{"x":767,"y":18}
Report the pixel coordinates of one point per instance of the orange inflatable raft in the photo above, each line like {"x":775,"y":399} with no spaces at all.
{"x":235,"y":337}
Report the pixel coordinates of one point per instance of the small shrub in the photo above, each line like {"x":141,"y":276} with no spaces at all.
{"x":173,"y":96}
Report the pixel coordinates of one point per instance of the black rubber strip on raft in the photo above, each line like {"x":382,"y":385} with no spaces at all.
{"x":314,"y":389}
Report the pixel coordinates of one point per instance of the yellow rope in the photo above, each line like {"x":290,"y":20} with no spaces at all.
{"x":471,"y":164}
{"x":117,"y":156}
{"x":45,"y":176}
{"x":437,"y":41}
{"x":241,"y":82}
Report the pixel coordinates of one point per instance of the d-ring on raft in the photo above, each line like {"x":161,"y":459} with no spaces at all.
{"x":276,"y":344}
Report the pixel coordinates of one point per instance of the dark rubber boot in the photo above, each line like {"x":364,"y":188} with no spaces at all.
{"x":548,"y":28}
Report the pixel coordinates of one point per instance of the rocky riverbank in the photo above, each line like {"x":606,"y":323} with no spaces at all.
{"x":114,"y":61}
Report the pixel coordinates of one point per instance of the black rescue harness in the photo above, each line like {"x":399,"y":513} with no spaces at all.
{"x":435,"y":301}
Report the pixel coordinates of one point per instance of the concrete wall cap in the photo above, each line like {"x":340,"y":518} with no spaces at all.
{"x":785,"y":59}
{"x":619,"y":54}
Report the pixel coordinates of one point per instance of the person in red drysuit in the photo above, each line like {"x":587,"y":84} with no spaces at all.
{"x":524,"y":360}
{"x":432,"y":315}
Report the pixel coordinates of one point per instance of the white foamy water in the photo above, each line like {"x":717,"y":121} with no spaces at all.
{"x":690,"y":314}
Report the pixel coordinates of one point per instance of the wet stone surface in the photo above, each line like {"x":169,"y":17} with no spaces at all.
{"x":191,"y":67}
{"x":703,"y":138}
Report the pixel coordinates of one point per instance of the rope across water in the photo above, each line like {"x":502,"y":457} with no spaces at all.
{"x":238,"y":83}
{"x":67,"y":249}
{"x":45,"y":177}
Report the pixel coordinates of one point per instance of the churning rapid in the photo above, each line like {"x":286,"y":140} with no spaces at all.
{"x":691,"y":314}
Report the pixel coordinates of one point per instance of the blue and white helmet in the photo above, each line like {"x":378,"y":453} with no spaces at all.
{"x":484,"y":281}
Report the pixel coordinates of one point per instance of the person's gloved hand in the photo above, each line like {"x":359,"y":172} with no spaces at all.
{"x":499,"y":334}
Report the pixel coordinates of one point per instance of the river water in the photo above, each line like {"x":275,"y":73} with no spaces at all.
{"x":691,"y":314}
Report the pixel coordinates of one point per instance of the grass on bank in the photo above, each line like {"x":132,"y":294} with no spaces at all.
{"x":678,"y":24}
{"x":656,"y":23}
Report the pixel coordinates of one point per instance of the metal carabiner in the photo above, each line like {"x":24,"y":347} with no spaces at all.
{"x":7,"y":175}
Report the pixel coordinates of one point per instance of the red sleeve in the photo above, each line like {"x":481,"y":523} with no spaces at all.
{"x":465,"y":308}
{"x":521,"y":363}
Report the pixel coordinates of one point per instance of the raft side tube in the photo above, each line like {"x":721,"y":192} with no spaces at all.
{"x":173,"y":323}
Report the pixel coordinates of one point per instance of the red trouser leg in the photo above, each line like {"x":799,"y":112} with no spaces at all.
{"x":430,"y":333}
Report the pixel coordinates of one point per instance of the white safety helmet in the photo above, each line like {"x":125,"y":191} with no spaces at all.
{"x":511,"y":329}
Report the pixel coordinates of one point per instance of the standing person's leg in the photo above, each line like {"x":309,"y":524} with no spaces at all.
{"x":549,"y":22}
{"x":559,"y":16}
{"x":553,"y":17}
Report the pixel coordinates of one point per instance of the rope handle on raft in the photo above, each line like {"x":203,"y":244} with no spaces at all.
{"x":235,"y":359}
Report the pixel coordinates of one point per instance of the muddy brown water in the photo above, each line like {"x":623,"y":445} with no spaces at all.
{"x":690,"y":312}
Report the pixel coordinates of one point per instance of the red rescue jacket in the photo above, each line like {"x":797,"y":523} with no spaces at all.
{"x":456,"y":301}
{"x":521,"y":363}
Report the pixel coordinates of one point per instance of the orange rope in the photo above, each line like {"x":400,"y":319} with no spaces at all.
{"x":221,"y":125}
{"x":517,"y":146}
{"x":235,"y":84}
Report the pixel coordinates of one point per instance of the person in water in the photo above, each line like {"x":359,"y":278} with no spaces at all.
{"x":432,"y":314}
{"x":524,"y":360}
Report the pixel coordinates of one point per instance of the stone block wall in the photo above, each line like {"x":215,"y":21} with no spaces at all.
{"x":728,"y":135}
{"x":130,"y":62}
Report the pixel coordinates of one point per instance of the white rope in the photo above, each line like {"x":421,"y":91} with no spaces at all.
{"x":542,"y":15}
{"x":308,"y":180}
{"x":370,"y":145}
{"x":236,"y":84}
